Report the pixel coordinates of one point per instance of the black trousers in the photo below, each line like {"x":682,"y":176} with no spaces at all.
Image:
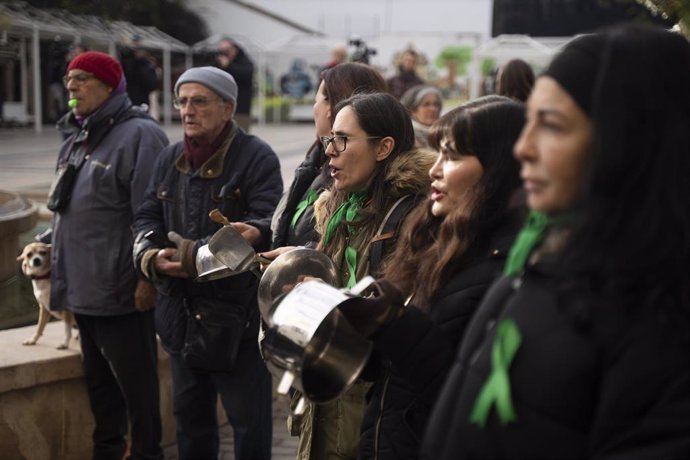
{"x":120,"y":365}
{"x":246,"y":396}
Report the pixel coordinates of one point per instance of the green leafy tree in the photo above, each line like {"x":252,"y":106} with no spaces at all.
{"x":455,"y":59}
{"x":487,"y":66}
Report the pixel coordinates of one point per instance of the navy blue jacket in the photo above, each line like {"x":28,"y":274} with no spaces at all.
{"x":244,"y":183}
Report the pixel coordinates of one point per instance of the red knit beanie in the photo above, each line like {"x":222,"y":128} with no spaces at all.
{"x":103,"y":66}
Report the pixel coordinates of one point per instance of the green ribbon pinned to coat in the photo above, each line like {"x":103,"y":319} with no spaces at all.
{"x":348,"y":211}
{"x":496,"y":389}
{"x":529,"y":237}
{"x":302,"y":206}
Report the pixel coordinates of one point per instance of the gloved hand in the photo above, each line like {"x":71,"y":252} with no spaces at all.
{"x":381,"y":303}
{"x":185,"y":249}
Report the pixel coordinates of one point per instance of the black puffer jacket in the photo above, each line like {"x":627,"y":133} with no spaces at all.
{"x":590,"y":379}
{"x":244,"y":183}
{"x":308,"y":177}
{"x":417,"y":350}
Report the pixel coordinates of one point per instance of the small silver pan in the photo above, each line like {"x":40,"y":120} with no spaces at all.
{"x":235,"y":252}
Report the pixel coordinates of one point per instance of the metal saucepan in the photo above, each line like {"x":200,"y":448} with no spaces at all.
{"x":309,"y":343}
{"x":287,"y":270}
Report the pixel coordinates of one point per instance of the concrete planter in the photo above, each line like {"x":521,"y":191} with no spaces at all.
{"x":17,"y":215}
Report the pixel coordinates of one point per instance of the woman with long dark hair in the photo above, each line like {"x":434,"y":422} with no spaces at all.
{"x":581,"y":349}
{"x":293,"y":223}
{"x":515,"y":79}
{"x":375,"y":169}
{"x":451,"y":249}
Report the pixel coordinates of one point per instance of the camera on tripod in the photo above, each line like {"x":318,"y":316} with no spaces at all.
{"x":362,"y":51}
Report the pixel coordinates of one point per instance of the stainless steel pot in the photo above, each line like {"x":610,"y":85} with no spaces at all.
{"x":287,"y":270}
{"x":309,"y":343}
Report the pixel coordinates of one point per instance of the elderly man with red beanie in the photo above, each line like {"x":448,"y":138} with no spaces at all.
{"x":102,"y":172}
{"x":217,"y":165}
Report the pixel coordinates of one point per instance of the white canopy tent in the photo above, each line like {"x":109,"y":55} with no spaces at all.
{"x":313,"y":50}
{"x":276,"y":56}
{"x":536,"y":51}
{"x":26,"y":26}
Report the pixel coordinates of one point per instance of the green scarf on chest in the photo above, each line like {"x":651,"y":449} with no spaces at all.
{"x":347,"y":212}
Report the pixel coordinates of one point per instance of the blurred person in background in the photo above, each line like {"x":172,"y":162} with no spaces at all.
{"x":406,"y":76}
{"x":515,"y":79}
{"x":141,"y":72}
{"x":338,"y":56}
{"x":424,"y":103}
{"x":233,"y":59}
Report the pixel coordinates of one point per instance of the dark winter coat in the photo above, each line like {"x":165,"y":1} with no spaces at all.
{"x":92,"y":269}
{"x":418,"y":349}
{"x":242,"y":70}
{"x":308,"y":177}
{"x":141,"y":75}
{"x":590,"y":379}
{"x":243,"y":181}
{"x":340,"y":420}
{"x":398,"y":84}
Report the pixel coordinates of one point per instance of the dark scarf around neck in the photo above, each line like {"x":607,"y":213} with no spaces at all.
{"x":197,"y":153}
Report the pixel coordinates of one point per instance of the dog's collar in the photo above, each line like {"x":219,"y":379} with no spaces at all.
{"x":42,"y":277}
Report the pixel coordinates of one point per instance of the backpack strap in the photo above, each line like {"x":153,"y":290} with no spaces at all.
{"x":387,"y":233}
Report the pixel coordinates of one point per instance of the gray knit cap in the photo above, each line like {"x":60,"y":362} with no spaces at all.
{"x":214,"y":79}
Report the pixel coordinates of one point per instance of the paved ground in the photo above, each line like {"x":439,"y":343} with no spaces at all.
{"x":27,"y":162}
{"x":284,"y":445}
{"x":27,"y":159}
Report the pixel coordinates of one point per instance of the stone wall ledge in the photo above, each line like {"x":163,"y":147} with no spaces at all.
{"x":23,"y":366}
{"x":44,"y":407}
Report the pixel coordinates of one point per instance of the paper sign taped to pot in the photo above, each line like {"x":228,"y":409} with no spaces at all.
{"x":305,"y":307}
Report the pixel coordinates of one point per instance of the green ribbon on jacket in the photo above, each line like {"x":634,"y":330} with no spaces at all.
{"x":303,"y":205}
{"x":529,"y":237}
{"x":349,"y":212}
{"x":496,"y":389}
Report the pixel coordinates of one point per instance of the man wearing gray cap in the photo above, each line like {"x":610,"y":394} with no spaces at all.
{"x":210,"y":328}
